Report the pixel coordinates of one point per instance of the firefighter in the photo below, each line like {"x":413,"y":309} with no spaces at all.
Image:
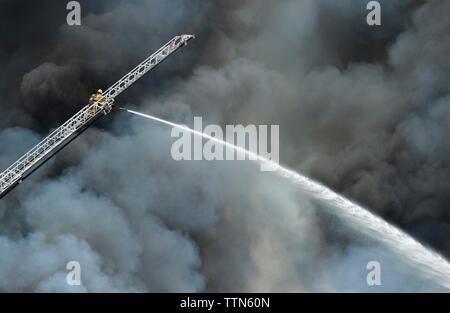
{"x":95,"y":101}
{"x":96,"y":97}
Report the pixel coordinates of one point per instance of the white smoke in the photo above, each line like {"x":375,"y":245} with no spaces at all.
{"x":356,"y":108}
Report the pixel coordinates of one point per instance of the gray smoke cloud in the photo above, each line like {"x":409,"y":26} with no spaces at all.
{"x":362,"y":109}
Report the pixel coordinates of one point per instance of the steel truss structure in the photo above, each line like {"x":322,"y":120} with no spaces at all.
{"x":73,"y":127}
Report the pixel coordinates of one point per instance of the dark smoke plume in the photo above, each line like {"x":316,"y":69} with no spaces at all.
{"x":363,"y":109}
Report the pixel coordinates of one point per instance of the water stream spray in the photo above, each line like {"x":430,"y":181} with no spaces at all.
{"x":430,"y":263}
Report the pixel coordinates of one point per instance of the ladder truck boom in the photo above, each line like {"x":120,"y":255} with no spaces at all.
{"x":78,"y":123}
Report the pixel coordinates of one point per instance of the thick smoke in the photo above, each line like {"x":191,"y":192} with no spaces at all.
{"x":362,"y":109}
